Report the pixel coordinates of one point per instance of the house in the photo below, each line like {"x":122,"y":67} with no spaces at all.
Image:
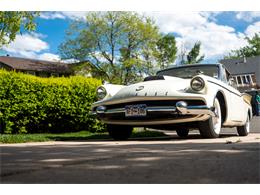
{"x":35,"y":67}
{"x":245,"y":71}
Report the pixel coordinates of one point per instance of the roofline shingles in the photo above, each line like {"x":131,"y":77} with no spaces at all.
{"x":35,"y":65}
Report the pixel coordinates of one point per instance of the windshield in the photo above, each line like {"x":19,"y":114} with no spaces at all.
{"x":191,"y":71}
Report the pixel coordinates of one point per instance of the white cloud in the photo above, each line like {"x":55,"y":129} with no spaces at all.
{"x":216,"y":40}
{"x":30,"y":46}
{"x":74,"y":15}
{"x":69,"y":61}
{"x":26,"y":43}
{"x":52,"y":15}
{"x":252,"y":29}
{"x":25,"y":54}
{"x":178,"y":22}
{"x":49,"y":57}
{"x":211,"y":15}
{"x":247,"y":16}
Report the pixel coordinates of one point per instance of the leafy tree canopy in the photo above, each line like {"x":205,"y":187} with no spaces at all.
{"x":252,"y":48}
{"x":122,"y":46}
{"x":166,"y":50}
{"x":11,"y":23}
{"x":193,"y":56}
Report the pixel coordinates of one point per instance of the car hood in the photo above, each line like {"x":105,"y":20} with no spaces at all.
{"x":170,"y":86}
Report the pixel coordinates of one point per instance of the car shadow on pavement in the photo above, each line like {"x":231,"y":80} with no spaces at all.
{"x":132,"y":162}
{"x":102,"y":137}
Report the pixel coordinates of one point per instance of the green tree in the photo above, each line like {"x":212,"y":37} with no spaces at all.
{"x":167,"y":50}
{"x":193,"y":55}
{"x":137,"y":52}
{"x":118,"y":44}
{"x":252,"y":48}
{"x":11,"y":23}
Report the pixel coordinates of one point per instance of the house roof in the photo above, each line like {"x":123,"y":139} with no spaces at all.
{"x":242,"y":65}
{"x":35,"y":65}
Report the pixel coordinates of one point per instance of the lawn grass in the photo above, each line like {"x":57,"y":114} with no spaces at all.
{"x":76,"y":136}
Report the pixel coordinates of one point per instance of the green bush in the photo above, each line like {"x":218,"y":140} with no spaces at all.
{"x":30,"y":104}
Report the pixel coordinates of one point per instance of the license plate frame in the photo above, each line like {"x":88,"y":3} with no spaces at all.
{"x":137,"y":110}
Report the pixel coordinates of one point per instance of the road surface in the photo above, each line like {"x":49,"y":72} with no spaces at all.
{"x":228,"y":159}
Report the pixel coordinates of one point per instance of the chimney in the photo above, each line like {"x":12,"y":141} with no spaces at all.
{"x":244,"y":59}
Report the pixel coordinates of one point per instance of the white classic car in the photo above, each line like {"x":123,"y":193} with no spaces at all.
{"x":199,"y":96}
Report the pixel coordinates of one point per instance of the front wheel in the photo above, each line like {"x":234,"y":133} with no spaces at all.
{"x":119,"y":132}
{"x":211,"y":127}
{"x":244,"y":130}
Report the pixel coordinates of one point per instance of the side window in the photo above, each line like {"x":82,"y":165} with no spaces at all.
{"x":225,"y":76}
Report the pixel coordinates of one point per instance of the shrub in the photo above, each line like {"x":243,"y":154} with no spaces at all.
{"x":29,"y":104}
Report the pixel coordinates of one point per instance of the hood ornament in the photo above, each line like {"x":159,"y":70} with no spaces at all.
{"x":139,"y":88}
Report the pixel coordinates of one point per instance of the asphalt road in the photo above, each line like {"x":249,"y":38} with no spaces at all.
{"x":228,"y":159}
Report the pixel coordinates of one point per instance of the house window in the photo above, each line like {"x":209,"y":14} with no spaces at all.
{"x":239,"y":81}
{"x":248,"y":78}
{"x":245,"y":80}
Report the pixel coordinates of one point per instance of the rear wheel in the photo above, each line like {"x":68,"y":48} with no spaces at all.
{"x":182,"y":132}
{"x":119,"y":132}
{"x":244,"y":130}
{"x":211,"y":127}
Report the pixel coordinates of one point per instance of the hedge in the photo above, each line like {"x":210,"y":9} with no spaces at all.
{"x":30,"y":104}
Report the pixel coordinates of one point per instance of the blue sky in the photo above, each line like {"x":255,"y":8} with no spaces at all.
{"x":55,"y":31}
{"x":219,"y":32}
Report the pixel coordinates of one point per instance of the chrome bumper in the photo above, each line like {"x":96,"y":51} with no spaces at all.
{"x":180,"y":113}
{"x":178,"y":109}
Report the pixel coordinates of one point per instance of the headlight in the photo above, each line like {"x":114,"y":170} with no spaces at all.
{"x":197,"y":84}
{"x":101,"y":92}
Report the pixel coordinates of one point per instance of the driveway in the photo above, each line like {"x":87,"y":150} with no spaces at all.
{"x":229,"y":159}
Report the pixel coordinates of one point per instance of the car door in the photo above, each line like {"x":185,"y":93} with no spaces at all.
{"x":236,"y":105}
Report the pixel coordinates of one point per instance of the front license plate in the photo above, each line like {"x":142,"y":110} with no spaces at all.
{"x":135,"y":110}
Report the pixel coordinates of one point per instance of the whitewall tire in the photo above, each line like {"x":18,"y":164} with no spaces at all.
{"x":245,"y":129}
{"x":211,"y":128}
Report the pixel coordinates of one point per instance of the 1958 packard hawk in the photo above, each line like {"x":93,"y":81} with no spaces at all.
{"x":199,"y":96}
